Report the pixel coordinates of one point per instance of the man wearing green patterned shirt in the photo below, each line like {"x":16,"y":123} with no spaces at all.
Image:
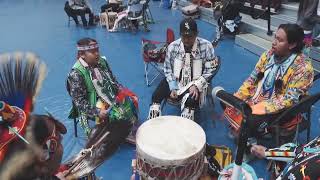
{"x":92,"y":86}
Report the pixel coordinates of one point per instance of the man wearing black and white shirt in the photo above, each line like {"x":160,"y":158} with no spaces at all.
{"x":189,"y":65}
{"x":75,"y":8}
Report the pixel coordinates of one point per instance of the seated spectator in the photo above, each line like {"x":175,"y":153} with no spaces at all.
{"x":113,"y":5}
{"x":75,"y":8}
{"x":189,"y":66}
{"x":96,"y":93}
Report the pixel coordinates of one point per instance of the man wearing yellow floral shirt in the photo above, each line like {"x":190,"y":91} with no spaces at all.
{"x":280,"y":78}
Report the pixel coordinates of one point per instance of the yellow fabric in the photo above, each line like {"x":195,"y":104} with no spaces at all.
{"x":223,"y":155}
{"x":296,"y":82}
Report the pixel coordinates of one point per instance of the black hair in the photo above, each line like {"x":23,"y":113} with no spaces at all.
{"x":85,"y":41}
{"x":40,"y":128}
{"x":294,"y":35}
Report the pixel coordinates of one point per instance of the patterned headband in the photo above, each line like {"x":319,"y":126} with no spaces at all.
{"x":87,"y":47}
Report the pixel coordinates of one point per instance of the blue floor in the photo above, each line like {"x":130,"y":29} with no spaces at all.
{"x":41,"y":26}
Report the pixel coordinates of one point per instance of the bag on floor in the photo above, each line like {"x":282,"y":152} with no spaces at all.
{"x":218,"y":157}
{"x":230,"y":19}
{"x":191,"y":11}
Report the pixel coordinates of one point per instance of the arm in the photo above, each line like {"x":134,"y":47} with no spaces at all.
{"x":210,"y":64}
{"x":245,"y":90}
{"x":78,"y":93}
{"x":299,"y":83}
{"x":210,"y":67}
{"x":286,"y":152}
{"x":168,"y":68}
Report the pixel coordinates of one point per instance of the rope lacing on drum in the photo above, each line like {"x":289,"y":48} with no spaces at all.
{"x":176,"y":172}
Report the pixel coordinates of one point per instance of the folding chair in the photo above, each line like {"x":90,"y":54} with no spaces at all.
{"x":304,"y":108}
{"x":148,"y":14}
{"x":139,"y":11}
{"x":108,"y":19}
{"x":282,"y":136}
{"x":153,"y":53}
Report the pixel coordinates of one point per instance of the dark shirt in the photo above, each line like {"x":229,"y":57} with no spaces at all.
{"x":78,"y":92}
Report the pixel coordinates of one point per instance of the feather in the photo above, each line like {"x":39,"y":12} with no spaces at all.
{"x":21,"y":76}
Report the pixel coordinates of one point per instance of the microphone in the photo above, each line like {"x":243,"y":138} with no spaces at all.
{"x":229,"y":99}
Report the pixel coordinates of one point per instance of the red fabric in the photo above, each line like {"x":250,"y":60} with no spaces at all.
{"x":125,"y":92}
{"x":170,"y":36}
{"x":203,"y":3}
{"x":153,"y":55}
{"x":6,"y":136}
{"x":63,"y":167}
{"x":235,"y":118}
{"x":156,"y":55}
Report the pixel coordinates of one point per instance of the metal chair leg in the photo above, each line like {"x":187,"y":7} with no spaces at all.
{"x":146,"y":68}
{"x":69,"y":21}
{"x":149,"y":16}
{"x":75,"y":122}
{"x":309,"y":123}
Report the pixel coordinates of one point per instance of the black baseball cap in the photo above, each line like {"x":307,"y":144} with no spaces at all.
{"x":188,"y":27}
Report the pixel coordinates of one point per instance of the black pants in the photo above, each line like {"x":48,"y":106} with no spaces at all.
{"x":258,"y":123}
{"x":113,"y":6}
{"x":79,"y":12}
{"x":118,"y":131}
{"x":163,"y":92}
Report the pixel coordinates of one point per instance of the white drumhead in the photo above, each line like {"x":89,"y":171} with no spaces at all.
{"x":170,"y":138}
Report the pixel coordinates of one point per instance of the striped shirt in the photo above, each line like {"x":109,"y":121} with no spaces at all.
{"x":204,"y":52}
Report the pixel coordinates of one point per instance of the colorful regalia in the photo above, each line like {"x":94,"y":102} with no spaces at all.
{"x":277,"y":85}
{"x":95,"y":89}
{"x":303,"y":161}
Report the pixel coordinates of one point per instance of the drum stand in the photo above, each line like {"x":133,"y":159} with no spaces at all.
{"x":246,"y":111}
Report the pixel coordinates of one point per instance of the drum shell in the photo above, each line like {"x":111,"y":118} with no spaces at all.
{"x":151,"y":167}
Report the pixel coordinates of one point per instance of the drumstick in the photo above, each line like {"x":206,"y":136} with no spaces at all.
{"x":15,"y":132}
{"x":75,"y":164}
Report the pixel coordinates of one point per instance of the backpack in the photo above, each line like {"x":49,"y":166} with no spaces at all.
{"x":218,"y":157}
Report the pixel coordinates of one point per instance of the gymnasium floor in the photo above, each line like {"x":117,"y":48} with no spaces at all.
{"x":41,"y":26}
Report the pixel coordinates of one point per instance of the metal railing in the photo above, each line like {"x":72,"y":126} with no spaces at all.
{"x":266,"y":13}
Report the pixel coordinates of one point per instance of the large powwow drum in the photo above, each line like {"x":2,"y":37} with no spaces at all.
{"x":170,"y":148}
